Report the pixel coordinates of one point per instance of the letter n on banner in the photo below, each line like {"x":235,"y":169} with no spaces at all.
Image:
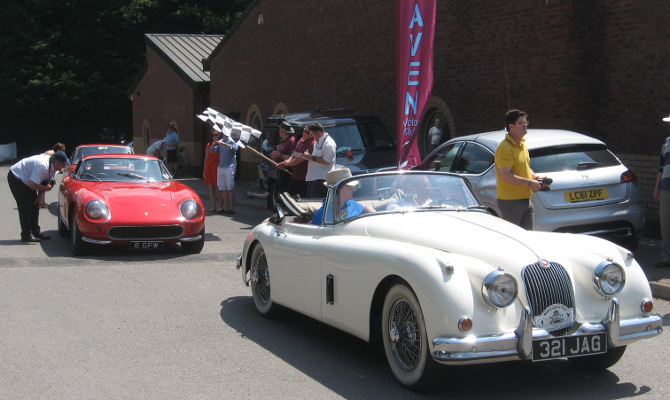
{"x":415,"y":33}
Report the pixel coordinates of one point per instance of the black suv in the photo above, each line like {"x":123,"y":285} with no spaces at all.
{"x":371,"y":145}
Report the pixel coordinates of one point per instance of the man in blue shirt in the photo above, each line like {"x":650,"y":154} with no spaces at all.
{"x":172,"y":144}
{"x":225,"y":178}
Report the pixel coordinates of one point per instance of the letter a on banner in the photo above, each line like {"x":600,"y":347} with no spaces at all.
{"x":415,"y":33}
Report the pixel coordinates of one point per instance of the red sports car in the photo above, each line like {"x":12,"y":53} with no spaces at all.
{"x":88,"y":149}
{"x":131,"y":200}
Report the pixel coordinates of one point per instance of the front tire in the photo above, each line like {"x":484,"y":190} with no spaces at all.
{"x":260,"y":283}
{"x":405,"y":339}
{"x":194,"y":247}
{"x":62,"y":228}
{"x":599,"y":362}
{"x":76,"y":236}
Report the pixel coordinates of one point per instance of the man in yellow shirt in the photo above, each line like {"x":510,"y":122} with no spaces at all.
{"x":516,"y":180}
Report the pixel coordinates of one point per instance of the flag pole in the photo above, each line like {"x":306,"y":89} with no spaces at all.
{"x":267,"y":158}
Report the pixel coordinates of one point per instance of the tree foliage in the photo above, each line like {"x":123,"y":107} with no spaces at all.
{"x":67,"y":64}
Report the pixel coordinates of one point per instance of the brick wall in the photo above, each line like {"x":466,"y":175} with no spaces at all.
{"x":595,"y":67}
{"x":162,"y":97}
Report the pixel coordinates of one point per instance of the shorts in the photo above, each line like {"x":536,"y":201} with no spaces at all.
{"x":172,"y":156}
{"x":225,"y":178}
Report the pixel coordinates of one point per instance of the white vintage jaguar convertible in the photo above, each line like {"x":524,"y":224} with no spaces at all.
{"x":414,"y":260}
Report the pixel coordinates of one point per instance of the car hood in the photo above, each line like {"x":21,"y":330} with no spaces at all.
{"x":131,"y":194}
{"x":478,"y":235}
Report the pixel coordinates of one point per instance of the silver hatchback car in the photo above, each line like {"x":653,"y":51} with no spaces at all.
{"x":592,"y":191}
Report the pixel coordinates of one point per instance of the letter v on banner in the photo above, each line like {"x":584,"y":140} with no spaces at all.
{"x":415,"y":34}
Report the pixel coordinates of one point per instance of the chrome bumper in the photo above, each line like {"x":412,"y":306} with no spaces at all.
{"x":95,"y":241}
{"x":519,"y":344}
{"x":190,"y":238}
{"x":181,"y":239}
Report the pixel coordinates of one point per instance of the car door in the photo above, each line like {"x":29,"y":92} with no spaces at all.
{"x":294,"y":260}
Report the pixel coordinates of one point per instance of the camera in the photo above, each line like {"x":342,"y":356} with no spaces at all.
{"x":545,"y":182}
{"x":52,"y":182}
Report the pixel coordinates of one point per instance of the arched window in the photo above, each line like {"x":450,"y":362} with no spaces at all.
{"x":437,"y":126}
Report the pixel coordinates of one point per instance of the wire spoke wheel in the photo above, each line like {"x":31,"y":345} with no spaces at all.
{"x":405,"y":339}
{"x":260,"y":278}
{"x":260,"y":283}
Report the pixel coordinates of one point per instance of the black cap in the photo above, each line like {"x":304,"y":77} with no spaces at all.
{"x":60,"y":157}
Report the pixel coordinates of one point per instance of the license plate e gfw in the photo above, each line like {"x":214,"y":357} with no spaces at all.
{"x":149,"y":245}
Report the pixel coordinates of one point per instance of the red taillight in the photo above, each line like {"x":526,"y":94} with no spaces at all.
{"x":629,"y":176}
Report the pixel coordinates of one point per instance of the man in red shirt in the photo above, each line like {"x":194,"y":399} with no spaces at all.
{"x":297,"y":185}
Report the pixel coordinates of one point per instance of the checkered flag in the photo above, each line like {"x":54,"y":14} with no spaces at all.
{"x":244,"y":136}
{"x":241,"y":134}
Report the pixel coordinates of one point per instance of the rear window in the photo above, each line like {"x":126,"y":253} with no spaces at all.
{"x":571,"y":158}
{"x":359,"y":136}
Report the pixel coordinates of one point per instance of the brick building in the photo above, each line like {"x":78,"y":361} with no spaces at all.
{"x":172,"y":87}
{"x":596,"y":67}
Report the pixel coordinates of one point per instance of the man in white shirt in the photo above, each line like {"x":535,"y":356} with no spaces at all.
{"x":28,"y":177}
{"x":156,"y":148}
{"x":320,"y":161}
{"x":435,"y":134}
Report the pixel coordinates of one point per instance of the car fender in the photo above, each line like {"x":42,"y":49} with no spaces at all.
{"x":445,"y":287}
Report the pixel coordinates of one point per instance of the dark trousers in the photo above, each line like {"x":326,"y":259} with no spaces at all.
{"x":316,"y":189}
{"x":520,"y":212}
{"x":26,"y":202}
{"x":297,"y":188}
{"x":272,"y":186}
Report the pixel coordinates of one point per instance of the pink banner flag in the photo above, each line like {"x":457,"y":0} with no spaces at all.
{"x":416,"y":30}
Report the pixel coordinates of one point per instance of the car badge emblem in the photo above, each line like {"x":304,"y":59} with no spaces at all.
{"x":544,"y":263}
{"x":555,"y":317}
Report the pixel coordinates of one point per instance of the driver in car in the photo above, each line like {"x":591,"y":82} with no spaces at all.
{"x":347,"y":206}
{"x":417,"y":191}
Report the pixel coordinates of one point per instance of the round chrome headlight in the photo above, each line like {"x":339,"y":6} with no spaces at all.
{"x":499,"y":289}
{"x":97,"y":210}
{"x":190,"y":209}
{"x":609,"y":278}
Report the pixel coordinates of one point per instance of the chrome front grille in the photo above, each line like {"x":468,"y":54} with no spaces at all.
{"x":546,"y":286}
{"x":146,"y":232}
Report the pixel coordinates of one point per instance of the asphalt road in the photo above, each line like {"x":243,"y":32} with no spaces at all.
{"x":163,"y":325}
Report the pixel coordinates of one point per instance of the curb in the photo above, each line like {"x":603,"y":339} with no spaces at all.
{"x":660,"y":289}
